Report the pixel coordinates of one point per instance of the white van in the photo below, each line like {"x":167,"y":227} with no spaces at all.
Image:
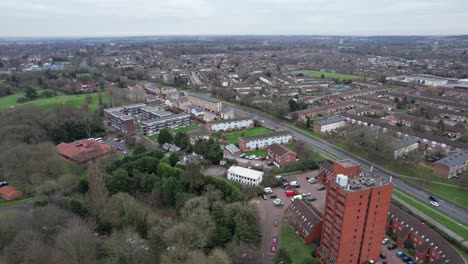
{"x":296,"y":197}
{"x":267,"y":190}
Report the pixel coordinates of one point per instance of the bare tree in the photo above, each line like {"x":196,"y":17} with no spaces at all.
{"x":97,"y":192}
{"x":76,"y":244}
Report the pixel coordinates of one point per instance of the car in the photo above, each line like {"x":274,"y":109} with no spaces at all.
{"x":294,"y":183}
{"x":297,"y":186}
{"x":311,"y":199}
{"x":273,"y":196}
{"x":436,"y":204}
{"x":274,"y":240}
{"x":382,"y":255}
{"x":400,"y":254}
{"x":264,"y":197}
{"x":407,"y":259}
{"x":432,"y":198}
{"x":384,"y":262}
{"x":115,"y":139}
{"x":320,"y":188}
{"x":283,"y":179}
{"x":277,"y":127}
{"x":267,"y":190}
{"x":288,"y":187}
{"x":410,"y":262}
{"x":385,"y":241}
{"x":276,"y":222}
{"x":290,"y":193}
{"x":3,"y":183}
{"x":312,"y":180}
{"x":305,"y":194}
{"x":273,"y":248}
{"x":307,"y":178}
{"x":242,"y":155}
{"x":278,"y":202}
{"x":262,"y":158}
{"x":119,"y":149}
{"x":392,"y":246}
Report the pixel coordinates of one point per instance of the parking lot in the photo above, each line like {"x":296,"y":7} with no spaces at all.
{"x":268,"y":212}
{"x":120,"y":146}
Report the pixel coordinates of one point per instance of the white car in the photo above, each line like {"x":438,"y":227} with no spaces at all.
{"x":436,"y":204}
{"x":306,"y":194}
{"x":385,"y":241}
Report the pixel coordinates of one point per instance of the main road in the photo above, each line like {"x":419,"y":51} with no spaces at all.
{"x":326,"y":148}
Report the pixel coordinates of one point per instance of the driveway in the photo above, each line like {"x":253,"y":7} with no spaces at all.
{"x":267,"y":212}
{"x":121,"y":147}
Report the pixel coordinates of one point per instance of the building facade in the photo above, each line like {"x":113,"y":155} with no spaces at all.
{"x":280,"y":155}
{"x":152,"y":126}
{"x":230,"y":124}
{"x":206,"y":102}
{"x":452,"y":165}
{"x":263,"y":141}
{"x":244,"y":176}
{"x":119,"y":120}
{"x":329,"y":124}
{"x":307,"y":220}
{"x":354,"y":220}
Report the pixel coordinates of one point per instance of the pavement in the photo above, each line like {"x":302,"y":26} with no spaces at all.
{"x":329,"y":150}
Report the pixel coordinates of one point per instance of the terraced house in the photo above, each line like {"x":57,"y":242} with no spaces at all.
{"x":230,"y":124}
{"x":263,"y":141}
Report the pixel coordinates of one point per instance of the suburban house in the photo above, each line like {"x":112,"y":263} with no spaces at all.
{"x":10,"y":193}
{"x":281,"y":155}
{"x":84,"y":150}
{"x":209,"y":116}
{"x":244,"y":175}
{"x":326,"y":109}
{"x":307,"y":220}
{"x":405,"y":145}
{"x":329,"y":124}
{"x":229,"y":124}
{"x":263,"y":141}
{"x":227,"y":113}
{"x":452,"y":165}
{"x":206,"y":102}
{"x":195,"y":110}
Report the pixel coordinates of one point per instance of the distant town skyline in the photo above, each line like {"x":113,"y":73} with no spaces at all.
{"x":94,"y":18}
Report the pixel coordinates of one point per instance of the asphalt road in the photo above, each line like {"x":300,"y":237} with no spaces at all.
{"x":324,"y":147}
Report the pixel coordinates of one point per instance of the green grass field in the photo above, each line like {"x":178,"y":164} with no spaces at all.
{"x":296,"y":248}
{"x":331,"y":75}
{"x":258,"y":153}
{"x":4,"y":203}
{"x":87,"y":74}
{"x":154,"y":137}
{"x":186,"y":129}
{"x":233,"y":137}
{"x":75,"y":100}
{"x":433,"y":213}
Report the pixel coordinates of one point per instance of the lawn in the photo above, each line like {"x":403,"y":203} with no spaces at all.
{"x":331,"y":75}
{"x":312,"y":154}
{"x":296,"y":248}
{"x":154,"y":137}
{"x":75,"y":100}
{"x":15,"y":202}
{"x":431,"y":212}
{"x":186,"y":129}
{"x":258,"y":153}
{"x":87,"y":74}
{"x":233,"y":137}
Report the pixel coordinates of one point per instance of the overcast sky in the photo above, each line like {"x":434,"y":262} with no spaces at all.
{"x":32,"y":18}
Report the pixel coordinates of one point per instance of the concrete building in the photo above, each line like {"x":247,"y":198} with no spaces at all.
{"x":307,"y":220}
{"x":119,"y":120}
{"x":206,"y":102}
{"x":452,"y":165}
{"x":405,"y":145}
{"x":263,"y":141}
{"x":244,"y":175}
{"x":355,"y":219}
{"x":281,"y":155}
{"x":152,"y":126}
{"x":229,"y":124}
{"x":329,"y":124}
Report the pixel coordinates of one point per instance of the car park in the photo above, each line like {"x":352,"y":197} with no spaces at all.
{"x":436,"y":204}
{"x":392,"y":246}
{"x":385,"y":241}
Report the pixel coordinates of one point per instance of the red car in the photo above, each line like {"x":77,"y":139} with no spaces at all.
{"x":290,"y":193}
{"x":273,"y":248}
{"x":288,"y":187}
{"x":274,"y":240}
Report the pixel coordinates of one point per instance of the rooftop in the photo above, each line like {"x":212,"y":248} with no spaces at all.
{"x":205,"y":97}
{"x":331,"y":120}
{"x":84,"y":150}
{"x":229,"y":120}
{"x":245,"y":172}
{"x":454,"y":160}
{"x":365,"y":181}
{"x":154,"y":120}
{"x":347,"y":163}
{"x":279,"y":149}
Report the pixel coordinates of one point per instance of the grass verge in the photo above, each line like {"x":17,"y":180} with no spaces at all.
{"x":331,"y":75}
{"x":233,"y":137}
{"x":4,"y":203}
{"x":186,"y":129}
{"x":449,"y":223}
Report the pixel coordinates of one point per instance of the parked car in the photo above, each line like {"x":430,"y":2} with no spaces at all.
{"x":274,"y":240}
{"x":305,"y":194}
{"x":278,"y":202}
{"x":3,"y":183}
{"x":385,"y":241}
{"x":311,"y":199}
{"x":262,"y":158}
{"x":436,"y":204}
{"x":384,"y":262}
{"x":283,"y":179}
{"x":119,"y":149}
{"x":264,"y":197}
{"x":273,"y":248}
{"x":290,"y":193}
{"x":267,"y":190}
{"x":272,"y":196}
{"x":312,"y":180}
{"x":382,"y":255}
{"x":287,"y":187}
{"x":392,"y":246}
{"x":406,"y":259}
{"x":400,"y":254}
{"x":321,"y":188}
{"x":276,"y":222}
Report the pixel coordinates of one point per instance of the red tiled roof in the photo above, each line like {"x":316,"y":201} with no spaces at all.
{"x":10,"y":193}
{"x":83,"y":150}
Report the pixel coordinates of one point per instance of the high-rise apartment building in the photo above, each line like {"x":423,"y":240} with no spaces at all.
{"x":355,"y":216}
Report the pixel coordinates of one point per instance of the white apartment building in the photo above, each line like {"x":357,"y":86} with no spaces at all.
{"x":263,"y":141}
{"x":330,"y":124}
{"x":245,"y":176}
{"x":230,"y":124}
